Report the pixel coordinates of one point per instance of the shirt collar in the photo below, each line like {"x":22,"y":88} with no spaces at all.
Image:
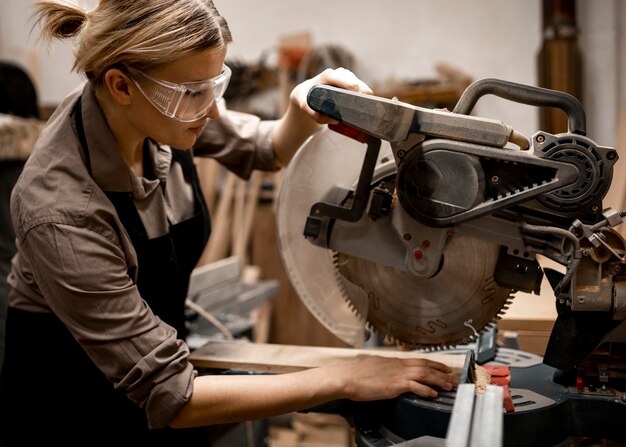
{"x":109,"y":170}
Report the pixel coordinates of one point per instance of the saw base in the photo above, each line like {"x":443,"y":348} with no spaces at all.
{"x":546,"y":413}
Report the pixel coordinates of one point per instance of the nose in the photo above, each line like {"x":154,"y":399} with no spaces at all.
{"x":214,"y":112}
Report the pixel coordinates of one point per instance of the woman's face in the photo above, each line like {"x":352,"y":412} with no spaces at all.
{"x":154,"y":124}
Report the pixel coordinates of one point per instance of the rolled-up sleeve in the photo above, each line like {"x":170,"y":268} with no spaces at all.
{"x":82,"y":272}
{"x":240,"y":141}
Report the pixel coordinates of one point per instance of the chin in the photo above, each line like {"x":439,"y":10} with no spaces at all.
{"x":182,"y":137}
{"x":181,"y":142}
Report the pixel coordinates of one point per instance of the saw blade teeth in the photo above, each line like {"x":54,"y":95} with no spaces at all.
{"x":379,"y":284}
{"x":339,"y":278}
{"x":352,"y":307}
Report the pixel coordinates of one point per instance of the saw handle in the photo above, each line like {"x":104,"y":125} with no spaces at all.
{"x":525,"y":94}
{"x":349,"y":132}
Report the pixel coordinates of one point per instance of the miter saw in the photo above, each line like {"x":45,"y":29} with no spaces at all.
{"x":420,"y":225}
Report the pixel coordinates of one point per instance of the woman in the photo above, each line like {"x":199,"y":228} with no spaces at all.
{"x":110,"y":222}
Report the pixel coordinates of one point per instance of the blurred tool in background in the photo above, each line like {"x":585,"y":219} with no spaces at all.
{"x":559,"y":62}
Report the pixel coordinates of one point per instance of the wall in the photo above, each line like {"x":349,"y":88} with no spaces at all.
{"x":406,"y":38}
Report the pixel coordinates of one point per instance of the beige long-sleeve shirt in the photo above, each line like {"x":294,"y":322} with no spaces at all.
{"x":74,"y":256}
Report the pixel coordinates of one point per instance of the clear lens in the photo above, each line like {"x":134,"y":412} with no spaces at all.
{"x":184,"y":102}
{"x":195,"y":103}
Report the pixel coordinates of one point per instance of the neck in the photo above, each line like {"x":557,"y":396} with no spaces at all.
{"x":129,"y":142}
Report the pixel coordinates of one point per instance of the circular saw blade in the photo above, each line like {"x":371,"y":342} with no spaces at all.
{"x":350,"y":295}
{"x":449,"y":308}
{"x":327,"y":159}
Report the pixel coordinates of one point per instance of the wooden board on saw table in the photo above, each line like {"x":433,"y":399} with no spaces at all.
{"x":277,"y":358}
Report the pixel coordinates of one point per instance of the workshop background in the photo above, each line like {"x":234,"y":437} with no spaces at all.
{"x":421,"y":51}
{"x":398,"y":40}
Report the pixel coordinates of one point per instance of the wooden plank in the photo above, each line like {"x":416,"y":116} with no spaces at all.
{"x":219,"y":243}
{"x":275,"y":358}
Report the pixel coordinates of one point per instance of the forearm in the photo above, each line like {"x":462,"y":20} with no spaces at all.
{"x":220,"y":399}
{"x":291,"y":132}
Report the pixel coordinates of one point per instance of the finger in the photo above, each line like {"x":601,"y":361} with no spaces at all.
{"x":441,"y":380}
{"x":423,"y":390}
{"x":428,"y":363}
{"x":428,"y":388}
{"x":322,"y":119}
{"x":433,"y":377}
{"x":344,"y":78}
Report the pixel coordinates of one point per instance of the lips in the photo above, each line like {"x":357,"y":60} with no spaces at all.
{"x":197,"y":129}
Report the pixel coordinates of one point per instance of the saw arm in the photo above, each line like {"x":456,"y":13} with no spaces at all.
{"x":394,"y":121}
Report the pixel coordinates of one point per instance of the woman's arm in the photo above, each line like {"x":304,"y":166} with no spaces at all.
{"x":300,"y":121}
{"x":219,"y":399}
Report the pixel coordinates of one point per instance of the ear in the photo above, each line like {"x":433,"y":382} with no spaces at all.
{"x":118,"y":84}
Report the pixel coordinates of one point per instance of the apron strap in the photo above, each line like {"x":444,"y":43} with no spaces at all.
{"x":77,"y":115}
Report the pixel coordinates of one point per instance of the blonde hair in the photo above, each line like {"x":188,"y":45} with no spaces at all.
{"x":143,"y":34}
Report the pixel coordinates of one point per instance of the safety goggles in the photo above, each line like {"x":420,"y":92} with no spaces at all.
{"x":184,"y":102}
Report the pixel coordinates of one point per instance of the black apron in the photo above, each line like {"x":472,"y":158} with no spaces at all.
{"x":54,"y":388}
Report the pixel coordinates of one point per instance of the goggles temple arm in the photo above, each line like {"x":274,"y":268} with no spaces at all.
{"x":179,"y":90}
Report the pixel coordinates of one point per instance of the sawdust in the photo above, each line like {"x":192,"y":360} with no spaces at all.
{"x":483,"y":378}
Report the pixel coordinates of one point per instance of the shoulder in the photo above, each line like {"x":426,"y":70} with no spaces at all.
{"x":55,"y":186}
